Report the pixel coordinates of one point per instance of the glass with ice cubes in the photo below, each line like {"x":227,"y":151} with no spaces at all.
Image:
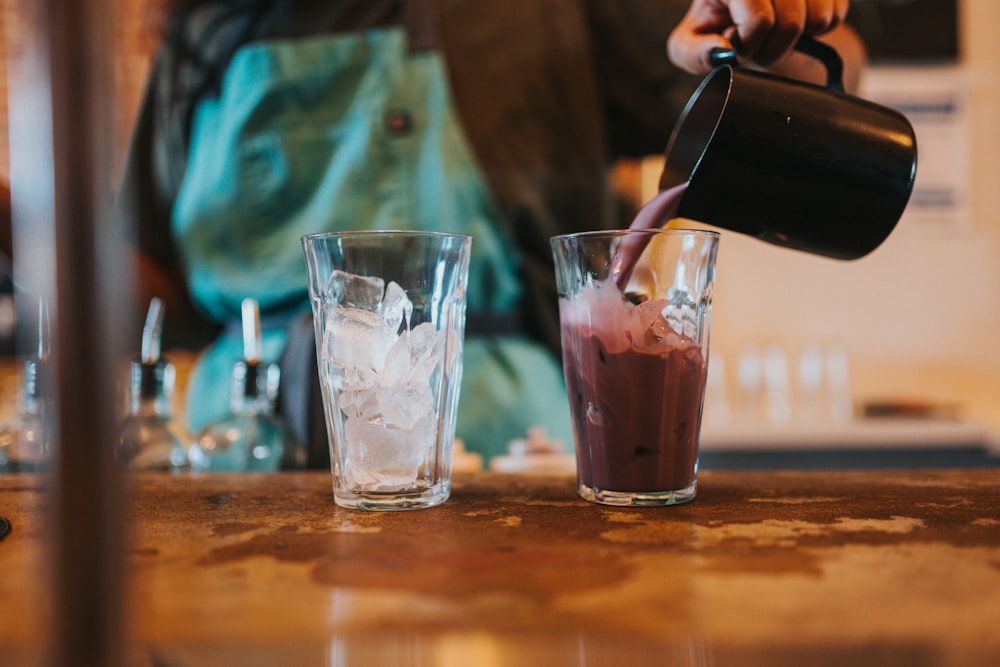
{"x":389,"y":315}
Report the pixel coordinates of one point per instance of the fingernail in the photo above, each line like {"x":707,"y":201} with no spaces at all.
{"x":720,"y":55}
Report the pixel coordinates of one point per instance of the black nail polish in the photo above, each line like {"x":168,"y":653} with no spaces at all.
{"x":720,"y":55}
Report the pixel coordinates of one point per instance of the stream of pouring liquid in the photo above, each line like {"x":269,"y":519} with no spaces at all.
{"x":654,"y":214}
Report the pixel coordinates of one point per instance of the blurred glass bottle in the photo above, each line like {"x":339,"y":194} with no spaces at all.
{"x":250,"y":437}
{"x":147,"y":438}
{"x":28,"y":440}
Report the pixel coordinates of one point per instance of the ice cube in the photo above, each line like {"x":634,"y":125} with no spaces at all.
{"x":414,"y":356}
{"x":682,"y":312}
{"x":382,"y":458}
{"x":679,"y":297}
{"x":358,"y":404}
{"x":357,"y":338}
{"x":638,"y":323}
{"x":660,"y":335}
{"x":354,"y":378}
{"x":426,"y":350}
{"x":646,"y":314}
{"x":594,"y":415}
{"x":397,"y":362}
{"x":396,"y":307}
{"x":356,"y":291}
{"x":403,"y":406}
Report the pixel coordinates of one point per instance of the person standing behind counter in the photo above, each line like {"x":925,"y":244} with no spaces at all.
{"x":265,"y":120}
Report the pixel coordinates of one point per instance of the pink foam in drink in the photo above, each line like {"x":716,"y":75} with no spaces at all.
{"x":635,"y":387}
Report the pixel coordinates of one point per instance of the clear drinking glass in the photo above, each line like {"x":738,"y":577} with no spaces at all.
{"x":635,"y":308}
{"x":389,"y":314}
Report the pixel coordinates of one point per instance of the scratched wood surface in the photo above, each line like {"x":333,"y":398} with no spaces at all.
{"x":762,"y":568}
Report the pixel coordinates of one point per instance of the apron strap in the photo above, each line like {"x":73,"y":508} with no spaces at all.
{"x":419,"y":18}
{"x":300,"y":401}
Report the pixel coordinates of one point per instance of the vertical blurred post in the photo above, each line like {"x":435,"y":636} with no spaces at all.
{"x":61,"y":111}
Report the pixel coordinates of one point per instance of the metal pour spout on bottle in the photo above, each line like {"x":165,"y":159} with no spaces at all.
{"x":148,"y":440}
{"x":250,"y":438}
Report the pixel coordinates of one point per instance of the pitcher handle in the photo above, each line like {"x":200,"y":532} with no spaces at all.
{"x":808,"y":45}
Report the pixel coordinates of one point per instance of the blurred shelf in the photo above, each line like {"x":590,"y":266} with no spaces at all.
{"x":882,"y":443}
{"x":881,"y":433}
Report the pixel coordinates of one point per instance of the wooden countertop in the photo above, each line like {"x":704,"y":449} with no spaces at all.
{"x":778,"y":568}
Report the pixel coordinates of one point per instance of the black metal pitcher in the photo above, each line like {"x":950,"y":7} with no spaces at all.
{"x":794,"y":164}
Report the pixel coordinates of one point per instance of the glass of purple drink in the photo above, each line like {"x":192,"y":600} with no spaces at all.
{"x":635,"y":308}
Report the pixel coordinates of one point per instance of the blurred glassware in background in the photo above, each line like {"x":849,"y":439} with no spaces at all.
{"x":716,"y":411}
{"x":838,"y":382}
{"x":823,"y":393}
{"x":812,"y":390}
{"x":771,"y":392}
{"x":463,"y":460}
{"x":26,"y":439}
{"x":537,"y":455}
{"x":251,"y":438}
{"x":777,"y":390}
{"x":148,"y":440}
{"x":750,"y":386}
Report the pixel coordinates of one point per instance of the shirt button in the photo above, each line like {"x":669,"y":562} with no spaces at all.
{"x":398,"y":121}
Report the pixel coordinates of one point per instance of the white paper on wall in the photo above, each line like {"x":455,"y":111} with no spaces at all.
{"x":933,"y":98}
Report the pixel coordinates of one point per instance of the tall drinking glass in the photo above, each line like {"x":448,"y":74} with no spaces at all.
{"x":635,"y":309}
{"x":389,"y":315}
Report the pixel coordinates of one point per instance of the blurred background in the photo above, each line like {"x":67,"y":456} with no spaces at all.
{"x":801,"y":345}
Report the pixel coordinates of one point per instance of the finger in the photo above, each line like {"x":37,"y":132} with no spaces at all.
{"x":824,"y":15}
{"x":819,"y":16}
{"x":768,"y":31}
{"x":690,"y":50}
{"x":840,"y":12}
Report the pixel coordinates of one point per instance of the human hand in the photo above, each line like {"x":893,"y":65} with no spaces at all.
{"x":759,"y":31}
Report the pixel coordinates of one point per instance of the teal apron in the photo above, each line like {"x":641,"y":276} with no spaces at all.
{"x":347,"y":132}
